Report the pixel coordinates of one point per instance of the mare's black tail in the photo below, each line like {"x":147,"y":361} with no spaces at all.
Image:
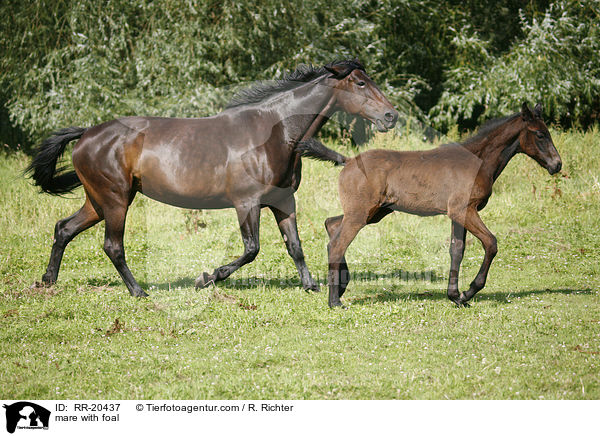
{"x":43,"y":169}
{"x":316,"y":150}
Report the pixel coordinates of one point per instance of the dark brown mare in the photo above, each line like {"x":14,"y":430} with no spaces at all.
{"x":244,"y":157}
{"x":455,"y":180}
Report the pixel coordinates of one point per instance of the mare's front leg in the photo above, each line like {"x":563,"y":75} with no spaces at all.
{"x":474,"y":225}
{"x":249,"y":217}
{"x":457,"y":249}
{"x":285,"y":215}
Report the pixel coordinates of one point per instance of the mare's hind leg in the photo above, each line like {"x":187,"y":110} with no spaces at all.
{"x":285,"y":215}
{"x":457,"y":249}
{"x":64,"y":231}
{"x":340,"y":240}
{"x":474,"y":225}
{"x":249,"y":218}
{"x":113,"y":246}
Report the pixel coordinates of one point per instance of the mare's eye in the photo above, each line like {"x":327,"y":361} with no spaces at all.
{"x":361,"y":84}
{"x":540,"y":134}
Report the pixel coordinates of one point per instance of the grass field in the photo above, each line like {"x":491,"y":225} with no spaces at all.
{"x":532,"y":333}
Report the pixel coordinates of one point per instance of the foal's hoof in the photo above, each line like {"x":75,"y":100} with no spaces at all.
{"x":313,"y":288}
{"x":203,"y":281}
{"x":337,"y":305}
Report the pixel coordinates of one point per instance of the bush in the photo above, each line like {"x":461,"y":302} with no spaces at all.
{"x":72,"y":62}
{"x":556,"y":63}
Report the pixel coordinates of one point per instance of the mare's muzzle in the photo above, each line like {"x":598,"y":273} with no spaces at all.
{"x":387,"y":121}
{"x":555,"y":166}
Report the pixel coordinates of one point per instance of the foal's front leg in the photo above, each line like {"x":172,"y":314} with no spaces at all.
{"x":285,"y":215}
{"x":474,"y":225}
{"x":249,"y":219}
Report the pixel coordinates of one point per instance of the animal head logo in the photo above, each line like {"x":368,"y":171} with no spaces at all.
{"x":26,"y":415}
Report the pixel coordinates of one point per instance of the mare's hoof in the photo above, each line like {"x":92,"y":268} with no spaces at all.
{"x":139,"y":294}
{"x":203,"y":281}
{"x":461,"y":301}
{"x":337,"y":306}
{"x":46,"y":281}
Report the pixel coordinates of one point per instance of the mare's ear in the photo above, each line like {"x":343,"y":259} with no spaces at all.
{"x":526,"y":112}
{"x":537,"y":111}
{"x":338,"y":71}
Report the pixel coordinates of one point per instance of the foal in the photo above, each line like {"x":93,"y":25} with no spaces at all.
{"x":455,"y":180}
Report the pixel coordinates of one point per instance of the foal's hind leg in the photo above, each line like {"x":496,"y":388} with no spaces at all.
{"x":64,"y":231}
{"x":249,"y":219}
{"x":338,"y":269}
{"x":285,"y":215}
{"x":332,"y":225}
{"x":457,"y":249}
{"x":474,"y":225}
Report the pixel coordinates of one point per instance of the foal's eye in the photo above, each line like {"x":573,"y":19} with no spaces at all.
{"x":361,"y":84}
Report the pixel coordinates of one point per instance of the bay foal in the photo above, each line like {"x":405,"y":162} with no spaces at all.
{"x":455,"y":180}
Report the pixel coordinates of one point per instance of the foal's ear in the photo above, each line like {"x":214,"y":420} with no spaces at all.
{"x":526,"y":112}
{"x":537,"y":110}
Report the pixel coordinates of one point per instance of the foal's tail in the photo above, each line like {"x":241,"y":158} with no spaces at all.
{"x":316,"y":150}
{"x":43,"y":169}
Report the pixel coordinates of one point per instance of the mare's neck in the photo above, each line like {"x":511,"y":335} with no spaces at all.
{"x":497,"y":147}
{"x":305,"y":109}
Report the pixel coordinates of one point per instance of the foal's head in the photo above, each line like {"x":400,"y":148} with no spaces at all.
{"x":357,"y":94}
{"x":535,"y":140}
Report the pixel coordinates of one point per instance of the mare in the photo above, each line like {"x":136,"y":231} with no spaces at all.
{"x":244,"y":158}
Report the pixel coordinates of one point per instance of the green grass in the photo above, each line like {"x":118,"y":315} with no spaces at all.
{"x":533,"y":332}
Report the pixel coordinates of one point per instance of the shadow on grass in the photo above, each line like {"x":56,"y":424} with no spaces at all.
{"x":240,"y":283}
{"x":399,"y":274}
{"x":373,"y":296}
{"x":293,"y":282}
{"x":499,"y":297}
{"x":182,"y":282}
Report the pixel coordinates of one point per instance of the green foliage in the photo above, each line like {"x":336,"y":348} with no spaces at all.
{"x":70,"y":62}
{"x":556,"y":63}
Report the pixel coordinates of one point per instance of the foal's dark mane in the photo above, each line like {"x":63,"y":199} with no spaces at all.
{"x":488,"y":127}
{"x":302,"y":74}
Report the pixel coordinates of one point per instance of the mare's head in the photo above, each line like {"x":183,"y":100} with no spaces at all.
{"x":357,"y":94}
{"x":535,"y":140}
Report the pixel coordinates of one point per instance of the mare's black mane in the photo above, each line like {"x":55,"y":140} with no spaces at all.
{"x":302,"y":74}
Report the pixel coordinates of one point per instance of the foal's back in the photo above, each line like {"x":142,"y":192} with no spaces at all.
{"x":430,"y":182}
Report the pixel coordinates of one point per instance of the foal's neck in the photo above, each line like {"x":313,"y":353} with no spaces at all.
{"x":498,"y":146}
